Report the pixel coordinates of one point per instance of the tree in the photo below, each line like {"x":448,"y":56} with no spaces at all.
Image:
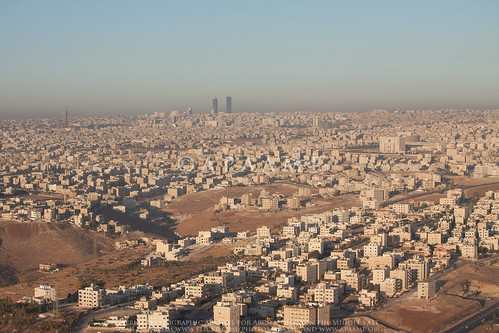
{"x":372,"y":287}
{"x":314,"y":255}
{"x":465,"y":285}
{"x":476,"y":197}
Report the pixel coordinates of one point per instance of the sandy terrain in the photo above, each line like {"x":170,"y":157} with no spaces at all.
{"x":461,"y":180}
{"x":119,"y":267}
{"x":360,"y":324}
{"x":24,"y":246}
{"x":200,"y":201}
{"x":416,"y":315}
{"x":481,"y":190}
{"x":194,"y":212}
{"x":450,"y":305}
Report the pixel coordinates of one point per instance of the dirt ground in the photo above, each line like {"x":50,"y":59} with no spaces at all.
{"x":428,"y":315}
{"x":120,"y":267}
{"x":360,"y":324}
{"x":451,"y":303}
{"x":23,"y":246}
{"x":481,"y":190}
{"x":200,"y":201}
{"x":44,"y":196}
{"x":435,"y":197}
{"x":194,"y":212}
{"x":463,"y":180}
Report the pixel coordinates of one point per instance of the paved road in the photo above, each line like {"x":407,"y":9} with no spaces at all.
{"x":412,"y":195}
{"x":476,"y":320}
{"x":197,"y":250}
{"x":85,"y":318}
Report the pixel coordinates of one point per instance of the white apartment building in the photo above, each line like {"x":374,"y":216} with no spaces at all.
{"x":418,"y":267}
{"x":316,"y":244}
{"x":92,"y":297}
{"x":402,"y":208}
{"x":287,"y":292}
{"x":263,"y":232}
{"x":45,"y":292}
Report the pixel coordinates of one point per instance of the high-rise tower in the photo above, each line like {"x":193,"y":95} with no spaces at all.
{"x":215,"y":105}
{"x":66,"y":118}
{"x":228,"y":104}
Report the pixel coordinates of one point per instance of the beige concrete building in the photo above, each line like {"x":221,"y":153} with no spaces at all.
{"x":227,"y":316}
{"x":300,"y":316}
{"x":426,"y":289}
{"x":326,"y":293}
{"x":287,"y":292}
{"x":390,"y":286}
{"x":392,"y":145}
{"x":381,"y":261}
{"x":469,"y":251}
{"x":372,"y":250}
{"x":380,"y":274}
{"x":307,"y":272}
{"x":92,"y":297}
{"x":153,"y":321}
{"x":403,"y":275}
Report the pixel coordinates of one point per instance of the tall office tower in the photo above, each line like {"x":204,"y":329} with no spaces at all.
{"x":229,"y":104}
{"x":316,"y":122}
{"x":215,"y":105}
{"x":66,"y":118}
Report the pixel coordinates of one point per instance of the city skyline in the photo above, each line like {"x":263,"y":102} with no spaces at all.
{"x":122,"y":57}
{"x":271,"y":221}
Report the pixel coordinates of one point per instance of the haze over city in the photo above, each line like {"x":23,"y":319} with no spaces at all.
{"x":111,"y":57}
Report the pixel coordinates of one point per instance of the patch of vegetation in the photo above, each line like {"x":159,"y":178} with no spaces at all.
{"x":18,"y":316}
{"x":62,"y":323}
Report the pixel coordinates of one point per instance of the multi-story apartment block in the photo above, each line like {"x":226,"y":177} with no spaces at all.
{"x":390,"y":286}
{"x":372,"y":250}
{"x":326,"y":293}
{"x":380,"y":274}
{"x":227,"y":315}
{"x":156,"y":321}
{"x":300,"y":316}
{"x":419,"y":268}
{"x":45,"y":292}
{"x":91,"y":296}
{"x":307,"y":272}
{"x":469,"y":251}
{"x":426,"y":289}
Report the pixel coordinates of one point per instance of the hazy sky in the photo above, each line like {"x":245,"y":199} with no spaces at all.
{"x":103,"y":57}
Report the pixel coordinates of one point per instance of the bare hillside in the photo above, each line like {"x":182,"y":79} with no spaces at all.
{"x":23,"y":246}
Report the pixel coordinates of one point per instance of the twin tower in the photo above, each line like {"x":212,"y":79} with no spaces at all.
{"x":228,"y":105}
